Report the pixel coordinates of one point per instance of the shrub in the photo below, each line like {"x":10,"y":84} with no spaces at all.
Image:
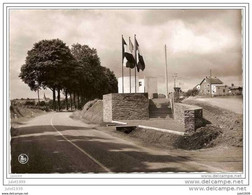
{"x":42,"y":103}
{"x":30,"y":103}
{"x":192,"y":92}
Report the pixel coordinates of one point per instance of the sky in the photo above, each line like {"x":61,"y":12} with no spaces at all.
{"x":196,"y":40}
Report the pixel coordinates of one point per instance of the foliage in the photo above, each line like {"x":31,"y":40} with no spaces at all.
{"x":41,"y":103}
{"x":93,"y":79}
{"x":192,"y":92}
{"x":30,"y":103}
{"x":78,"y":72}
{"x":47,"y":64}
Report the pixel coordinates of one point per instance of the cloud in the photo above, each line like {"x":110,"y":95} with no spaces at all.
{"x":197,"y":40}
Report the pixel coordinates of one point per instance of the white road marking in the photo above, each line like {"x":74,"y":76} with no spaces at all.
{"x":80,"y":149}
{"x":162,"y":130}
{"x":119,"y":122}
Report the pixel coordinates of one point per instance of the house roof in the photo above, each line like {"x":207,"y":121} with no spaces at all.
{"x":212,"y":80}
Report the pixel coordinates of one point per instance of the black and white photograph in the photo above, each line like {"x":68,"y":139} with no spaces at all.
{"x":127,"y":91}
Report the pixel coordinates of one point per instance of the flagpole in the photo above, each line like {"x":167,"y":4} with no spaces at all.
{"x":130,"y":72}
{"x":136,"y":62}
{"x":166,"y":73}
{"x":122,"y":66}
{"x":130,"y":78}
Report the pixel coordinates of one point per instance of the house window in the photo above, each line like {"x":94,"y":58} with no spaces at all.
{"x":223,"y":90}
{"x":140,"y":84}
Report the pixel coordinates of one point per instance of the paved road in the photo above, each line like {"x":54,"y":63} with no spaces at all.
{"x":231,"y":103}
{"x":55,"y":143}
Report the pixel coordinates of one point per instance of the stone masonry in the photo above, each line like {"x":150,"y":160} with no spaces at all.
{"x":190,"y":116}
{"x":127,"y":106}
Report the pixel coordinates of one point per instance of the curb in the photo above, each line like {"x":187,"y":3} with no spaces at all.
{"x":153,"y":128}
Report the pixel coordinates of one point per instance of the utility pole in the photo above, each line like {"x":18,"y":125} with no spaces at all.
{"x":130,"y":71}
{"x":135,"y":60}
{"x":166,"y":74}
{"x":122,"y":64}
{"x":211,"y":93}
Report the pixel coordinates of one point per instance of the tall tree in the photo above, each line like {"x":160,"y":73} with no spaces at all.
{"x":48,"y":64}
{"x":93,"y":80}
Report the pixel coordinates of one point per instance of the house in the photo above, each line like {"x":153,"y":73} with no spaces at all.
{"x":213,"y":86}
{"x":218,"y":90}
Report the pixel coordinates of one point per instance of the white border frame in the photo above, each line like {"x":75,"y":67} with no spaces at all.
{"x":173,"y":179}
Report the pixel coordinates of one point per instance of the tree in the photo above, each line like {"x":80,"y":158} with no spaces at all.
{"x":192,"y":92}
{"x":107,"y":82}
{"x":93,"y":80}
{"x":76,"y":72}
{"x":48,"y":65}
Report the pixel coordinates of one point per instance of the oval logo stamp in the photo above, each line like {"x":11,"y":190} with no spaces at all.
{"x":23,"y":158}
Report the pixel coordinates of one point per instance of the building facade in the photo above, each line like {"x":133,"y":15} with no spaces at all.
{"x":219,"y":90}
{"x":212,"y":86}
{"x":128,"y":85}
{"x":145,"y":85}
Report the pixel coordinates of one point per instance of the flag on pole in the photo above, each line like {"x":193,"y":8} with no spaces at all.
{"x":140,"y":64}
{"x":130,"y":60}
{"x":140,"y":60}
{"x":123,"y":49}
{"x":131,"y":47}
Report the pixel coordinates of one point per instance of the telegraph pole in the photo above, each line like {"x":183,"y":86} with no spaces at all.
{"x":166,"y":74}
{"x":130,"y":72}
{"x":122,"y":63}
{"x":135,"y":60}
{"x":211,"y":93}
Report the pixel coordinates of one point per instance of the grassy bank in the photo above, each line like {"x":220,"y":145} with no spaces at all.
{"x":22,"y":113}
{"x":230,"y":122}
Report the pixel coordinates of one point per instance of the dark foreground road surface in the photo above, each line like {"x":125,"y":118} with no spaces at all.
{"x":55,"y":143}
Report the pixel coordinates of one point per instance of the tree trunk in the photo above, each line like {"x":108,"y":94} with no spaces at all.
{"x":54,"y":97}
{"x":71,"y":106}
{"x":78,"y":101}
{"x":66,"y":100}
{"x":58,"y":99}
{"x":74,"y":100}
{"x":38,"y":96}
{"x":82,"y":101}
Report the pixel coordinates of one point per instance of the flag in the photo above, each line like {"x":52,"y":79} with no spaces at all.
{"x":140,"y":64}
{"x":130,"y":60}
{"x":131,"y":47}
{"x":136,"y":43}
{"x":140,"y":61}
{"x":123,"y":50}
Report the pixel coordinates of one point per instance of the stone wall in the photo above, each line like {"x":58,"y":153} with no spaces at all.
{"x":190,"y":116}
{"x":107,"y":107}
{"x":127,"y":106}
